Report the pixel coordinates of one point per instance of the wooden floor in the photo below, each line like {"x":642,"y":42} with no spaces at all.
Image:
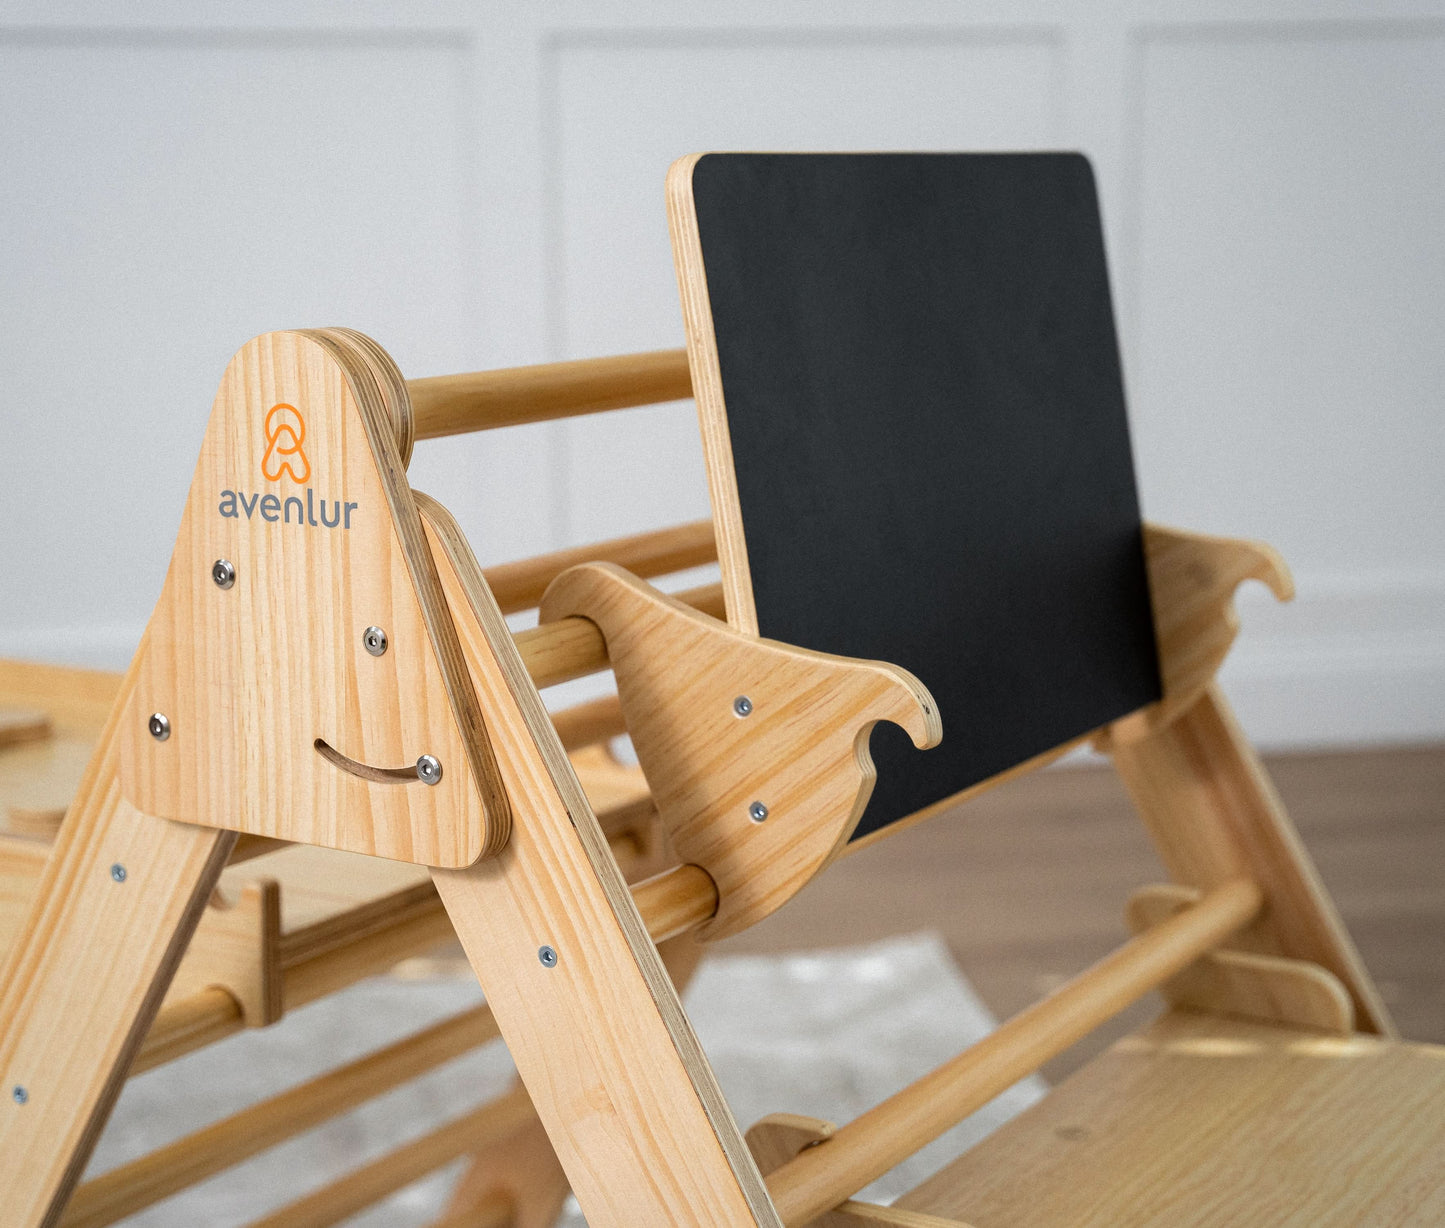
{"x":1027,"y":883}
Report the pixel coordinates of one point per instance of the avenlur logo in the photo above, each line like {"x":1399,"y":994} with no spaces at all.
{"x":285,"y":433}
{"x":285,"y":430}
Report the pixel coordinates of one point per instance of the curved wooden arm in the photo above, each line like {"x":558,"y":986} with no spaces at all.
{"x":1192,"y":581}
{"x":756,"y":752}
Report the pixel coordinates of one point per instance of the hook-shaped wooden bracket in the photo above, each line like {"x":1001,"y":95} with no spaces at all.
{"x":756,"y":752}
{"x":1192,"y":581}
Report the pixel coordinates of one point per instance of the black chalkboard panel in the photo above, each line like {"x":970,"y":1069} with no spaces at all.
{"x":923,"y":394}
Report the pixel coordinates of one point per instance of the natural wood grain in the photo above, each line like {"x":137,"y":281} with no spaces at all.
{"x":520,"y":585}
{"x":1204,"y":1121}
{"x":131,"y":1187}
{"x":732,"y":550}
{"x":87,"y":973}
{"x":801,"y":751}
{"x":73,"y":699}
{"x":359,"y":1189}
{"x":1270,"y":988}
{"x":600,"y":1038}
{"x":1214,"y":815}
{"x":237,"y":946}
{"x":483,"y":400}
{"x":1192,"y":582}
{"x":250,"y":677}
{"x":867,"y":1147}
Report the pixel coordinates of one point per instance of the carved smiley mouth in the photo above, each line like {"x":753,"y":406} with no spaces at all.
{"x":427,"y":769}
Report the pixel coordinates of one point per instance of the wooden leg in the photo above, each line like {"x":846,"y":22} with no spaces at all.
{"x":599,"y":1038}
{"x":1214,"y":815}
{"x":524,"y":1171}
{"x":112,"y":914}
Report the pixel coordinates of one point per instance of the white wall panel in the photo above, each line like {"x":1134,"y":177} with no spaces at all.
{"x":1290,"y":344}
{"x":165,"y":198}
{"x":481,"y":183}
{"x":625,"y":109}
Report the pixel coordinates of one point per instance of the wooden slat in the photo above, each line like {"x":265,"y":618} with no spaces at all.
{"x":823,"y":1176}
{"x":597,"y":1034}
{"x":125,"y":1190}
{"x":87,"y":972}
{"x":1198,"y":1121}
{"x":359,"y":1189}
{"x":1213,"y":814}
{"x":482,"y":400}
{"x":520,"y":585}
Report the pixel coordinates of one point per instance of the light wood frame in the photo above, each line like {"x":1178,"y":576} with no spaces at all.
{"x":82,"y":999}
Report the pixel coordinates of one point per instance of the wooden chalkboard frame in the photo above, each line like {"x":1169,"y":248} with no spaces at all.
{"x":1130,"y":630}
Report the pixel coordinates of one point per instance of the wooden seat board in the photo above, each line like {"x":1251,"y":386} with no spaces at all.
{"x":1201,"y":1120}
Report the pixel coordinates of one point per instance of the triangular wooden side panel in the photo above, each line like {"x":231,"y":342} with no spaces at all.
{"x":301,"y":491}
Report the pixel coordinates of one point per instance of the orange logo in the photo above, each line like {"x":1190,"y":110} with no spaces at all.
{"x":285,"y":433}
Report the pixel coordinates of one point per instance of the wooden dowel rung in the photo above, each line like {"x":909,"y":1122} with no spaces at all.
{"x":185,"y":1026}
{"x":675,"y":901}
{"x":825,"y":1175}
{"x":159,"y":1174}
{"x":520,"y":585}
{"x":495,"y":1211}
{"x":590,"y":723}
{"x":482,"y":400}
{"x":480,"y":1128}
{"x":669,"y":902}
{"x":573,"y":647}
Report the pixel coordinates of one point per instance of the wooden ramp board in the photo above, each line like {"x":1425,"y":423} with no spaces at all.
{"x":1200,"y":1120}
{"x":913,"y":413}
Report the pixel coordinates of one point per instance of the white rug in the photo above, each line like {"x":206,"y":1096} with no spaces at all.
{"x":827,"y":1033}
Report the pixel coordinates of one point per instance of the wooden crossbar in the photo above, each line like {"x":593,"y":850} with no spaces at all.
{"x":823,"y":1176}
{"x":131,"y":1187}
{"x":483,"y":400}
{"x":573,"y":647}
{"x":397,"y":1169}
{"x":670,"y":903}
{"x":520,"y":585}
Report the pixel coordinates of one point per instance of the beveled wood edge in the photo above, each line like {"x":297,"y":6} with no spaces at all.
{"x":707,"y":390}
{"x":374,"y":381}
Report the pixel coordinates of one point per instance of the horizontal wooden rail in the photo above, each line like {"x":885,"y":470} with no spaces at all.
{"x":520,"y":585}
{"x":573,"y":647}
{"x":131,"y":1187}
{"x":587,"y":724}
{"x":827,"y":1174}
{"x":356,"y":1191}
{"x":495,"y":1211}
{"x":681,"y":897}
{"x":482,"y":400}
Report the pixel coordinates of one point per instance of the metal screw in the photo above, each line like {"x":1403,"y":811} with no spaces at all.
{"x":375,"y":640}
{"x":19,"y":1094}
{"x":160,"y":726}
{"x":223,"y":573}
{"x":117,"y":872}
{"x":547,"y":956}
{"x":742,"y":706}
{"x":757,"y":812}
{"x":428,"y":769}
